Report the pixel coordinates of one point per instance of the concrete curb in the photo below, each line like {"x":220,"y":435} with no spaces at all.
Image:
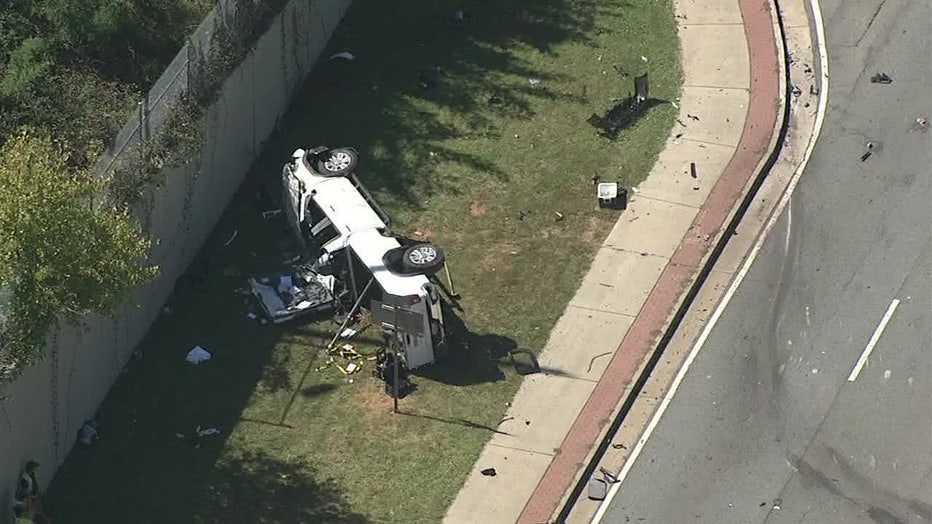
{"x":760,"y":138}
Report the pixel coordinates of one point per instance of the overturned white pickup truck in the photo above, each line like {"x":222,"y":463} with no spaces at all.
{"x":346,"y":233}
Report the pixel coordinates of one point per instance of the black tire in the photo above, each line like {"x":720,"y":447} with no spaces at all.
{"x":340,"y":161}
{"x":424,"y":258}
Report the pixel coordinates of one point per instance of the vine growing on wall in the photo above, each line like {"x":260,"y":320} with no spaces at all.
{"x":178,"y":142}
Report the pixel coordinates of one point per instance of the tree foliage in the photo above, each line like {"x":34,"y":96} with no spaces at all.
{"x":75,"y":69}
{"x":63,"y":251}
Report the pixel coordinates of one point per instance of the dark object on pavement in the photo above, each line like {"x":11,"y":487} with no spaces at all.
{"x":692,"y":117}
{"x":865,"y":156}
{"x":598,"y":489}
{"x":608,"y":475}
{"x":693,"y":170}
{"x":626,"y":111}
{"x":489,"y":472}
{"x":881,"y":78}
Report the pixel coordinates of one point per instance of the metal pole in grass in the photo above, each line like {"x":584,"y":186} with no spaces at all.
{"x":397,"y":342}
{"x":350,"y":314}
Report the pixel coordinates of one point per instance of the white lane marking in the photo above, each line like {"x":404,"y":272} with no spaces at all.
{"x":789,"y":227}
{"x":873,"y":341}
{"x":775,"y":215}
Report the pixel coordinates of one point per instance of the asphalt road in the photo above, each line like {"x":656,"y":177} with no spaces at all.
{"x":767,"y":426}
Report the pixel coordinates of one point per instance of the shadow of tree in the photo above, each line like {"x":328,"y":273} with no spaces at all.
{"x":420,"y":80}
{"x":257,"y":487}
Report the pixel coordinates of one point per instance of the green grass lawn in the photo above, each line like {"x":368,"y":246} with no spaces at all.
{"x":298,"y":445}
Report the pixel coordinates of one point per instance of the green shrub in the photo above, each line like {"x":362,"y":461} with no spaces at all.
{"x":63,"y":252}
{"x":28,"y":65}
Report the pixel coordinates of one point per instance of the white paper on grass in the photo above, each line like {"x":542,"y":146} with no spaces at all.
{"x":197,"y":355}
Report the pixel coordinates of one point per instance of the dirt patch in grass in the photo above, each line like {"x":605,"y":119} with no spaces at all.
{"x":476,"y":209}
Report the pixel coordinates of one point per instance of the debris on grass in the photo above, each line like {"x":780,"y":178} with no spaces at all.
{"x":460,"y":18}
{"x":270,"y":213}
{"x":345,"y":55}
{"x":198,"y":355}
{"x":626,"y":111}
{"x":534,"y":81}
{"x":232,"y":237}
{"x":88,"y":432}
{"x":206,"y":431}
{"x":881,"y":78}
{"x":425,"y":79}
{"x":559,"y":215}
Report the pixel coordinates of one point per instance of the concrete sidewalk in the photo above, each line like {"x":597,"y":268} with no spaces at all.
{"x":728,"y":116}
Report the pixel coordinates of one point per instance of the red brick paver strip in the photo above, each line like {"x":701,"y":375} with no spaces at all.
{"x":641,"y":337}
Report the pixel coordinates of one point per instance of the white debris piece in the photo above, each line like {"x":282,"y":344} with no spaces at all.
{"x":197,"y":355}
{"x":345,"y":55}
{"x":285,"y":284}
{"x":207,"y":431}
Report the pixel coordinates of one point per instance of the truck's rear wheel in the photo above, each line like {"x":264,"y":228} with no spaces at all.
{"x":422,"y":257}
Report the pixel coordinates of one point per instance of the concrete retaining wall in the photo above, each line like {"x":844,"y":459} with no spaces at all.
{"x":42,"y":411}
